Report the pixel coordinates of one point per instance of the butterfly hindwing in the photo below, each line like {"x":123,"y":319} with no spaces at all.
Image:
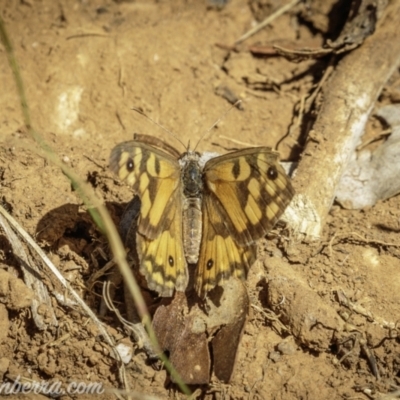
{"x":155,"y":177}
{"x":220,"y":256}
{"x":162,"y":260}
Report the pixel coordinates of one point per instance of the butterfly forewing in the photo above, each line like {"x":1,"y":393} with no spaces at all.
{"x":251,"y":191}
{"x":154,"y":175}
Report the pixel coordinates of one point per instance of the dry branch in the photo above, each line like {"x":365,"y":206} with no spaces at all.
{"x":348,"y":98}
{"x":29,"y":268}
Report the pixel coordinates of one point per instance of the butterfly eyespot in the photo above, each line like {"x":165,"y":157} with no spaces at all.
{"x":272,"y":173}
{"x":210,"y":264}
{"x":171,"y":261}
{"x":130,"y":165}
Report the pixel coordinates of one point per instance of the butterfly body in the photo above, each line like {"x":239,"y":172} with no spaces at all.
{"x":192,"y":228}
{"x":192,"y":192}
{"x":208,"y":213}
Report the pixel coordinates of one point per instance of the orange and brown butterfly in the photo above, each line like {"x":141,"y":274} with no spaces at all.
{"x":206,"y":213}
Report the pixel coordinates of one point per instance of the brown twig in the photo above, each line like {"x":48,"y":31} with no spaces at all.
{"x":267,"y":21}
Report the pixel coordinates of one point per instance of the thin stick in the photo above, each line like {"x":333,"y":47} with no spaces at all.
{"x":360,"y":238}
{"x":267,"y":21}
{"x":86,"y":34}
{"x":236,"y":141}
{"x":377,"y":137}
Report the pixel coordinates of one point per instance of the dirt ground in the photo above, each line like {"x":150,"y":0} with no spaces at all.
{"x":85,"y":65}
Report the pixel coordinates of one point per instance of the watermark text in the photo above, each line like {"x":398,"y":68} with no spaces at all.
{"x":53,"y":388}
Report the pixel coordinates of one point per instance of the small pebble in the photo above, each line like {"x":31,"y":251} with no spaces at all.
{"x":287,"y":347}
{"x":275,"y":356}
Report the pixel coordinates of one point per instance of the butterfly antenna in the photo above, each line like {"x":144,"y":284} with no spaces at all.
{"x":139,"y":111}
{"x":217,"y":122}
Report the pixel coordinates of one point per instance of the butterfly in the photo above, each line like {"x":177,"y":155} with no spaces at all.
{"x":207,"y":213}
